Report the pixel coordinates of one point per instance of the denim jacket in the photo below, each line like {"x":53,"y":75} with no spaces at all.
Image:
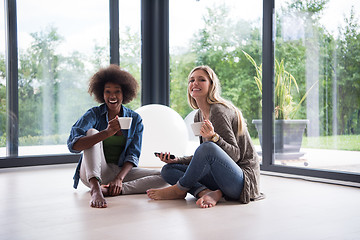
{"x":97,"y":118}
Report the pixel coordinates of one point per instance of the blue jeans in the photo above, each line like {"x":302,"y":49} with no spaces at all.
{"x":210,"y":168}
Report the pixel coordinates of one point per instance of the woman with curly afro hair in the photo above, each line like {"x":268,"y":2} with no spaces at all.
{"x":110,"y":156}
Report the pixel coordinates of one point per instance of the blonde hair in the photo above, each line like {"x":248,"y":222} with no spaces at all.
{"x":214,"y":96}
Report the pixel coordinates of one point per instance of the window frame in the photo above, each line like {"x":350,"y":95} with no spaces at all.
{"x":268,"y":106}
{"x":156,"y":83}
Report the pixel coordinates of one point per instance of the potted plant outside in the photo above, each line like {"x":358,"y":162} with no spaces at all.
{"x":288,"y":132}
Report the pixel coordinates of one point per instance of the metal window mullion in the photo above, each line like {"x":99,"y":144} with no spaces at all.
{"x":268,"y":83}
{"x":12,"y":104}
{"x":155,"y":67}
{"x":114,"y":32}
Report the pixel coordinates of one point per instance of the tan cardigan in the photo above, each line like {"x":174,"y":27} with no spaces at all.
{"x":239,"y":148}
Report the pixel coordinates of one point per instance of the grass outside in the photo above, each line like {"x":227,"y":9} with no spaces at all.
{"x":340,"y":142}
{"x":56,"y":139}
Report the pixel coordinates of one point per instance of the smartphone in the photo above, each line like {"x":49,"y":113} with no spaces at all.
{"x":157,"y":154}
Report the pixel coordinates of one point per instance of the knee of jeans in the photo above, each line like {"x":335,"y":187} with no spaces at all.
{"x":166,"y":172}
{"x":207,"y":147}
{"x":91,"y":132}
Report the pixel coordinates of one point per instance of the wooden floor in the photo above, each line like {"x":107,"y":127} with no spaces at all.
{"x":40,"y":203}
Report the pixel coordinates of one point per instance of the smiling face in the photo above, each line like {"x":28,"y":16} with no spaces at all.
{"x":113,"y":96}
{"x":199,"y":84}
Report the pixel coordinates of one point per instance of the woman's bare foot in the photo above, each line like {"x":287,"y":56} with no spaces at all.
{"x":97,"y":197}
{"x":203,"y":192}
{"x":168,"y":193}
{"x":209,"y":199}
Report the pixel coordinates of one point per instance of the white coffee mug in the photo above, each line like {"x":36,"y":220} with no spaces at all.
{"x":125,"y":122}
{"x":196,"y":128}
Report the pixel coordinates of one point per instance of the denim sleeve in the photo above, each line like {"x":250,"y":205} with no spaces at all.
{"x":133,"y":151}
{"x":80,"y":128}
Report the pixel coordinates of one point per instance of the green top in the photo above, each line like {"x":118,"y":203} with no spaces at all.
{"x":113,"y":147}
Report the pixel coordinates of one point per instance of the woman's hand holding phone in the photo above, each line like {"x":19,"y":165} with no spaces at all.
{"x":166,"y":157}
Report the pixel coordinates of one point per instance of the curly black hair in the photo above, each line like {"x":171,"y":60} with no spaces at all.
{"x":116,"y":75}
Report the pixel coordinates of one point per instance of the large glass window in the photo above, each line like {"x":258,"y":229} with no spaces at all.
{"x":130,"y":42}
{"x":317,"y":59}
{"x":218,"y":34}
{"x":59,"y":48}
{"x":316,"y":51}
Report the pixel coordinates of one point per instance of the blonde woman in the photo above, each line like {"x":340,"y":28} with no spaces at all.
{"x":226,"y":163}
